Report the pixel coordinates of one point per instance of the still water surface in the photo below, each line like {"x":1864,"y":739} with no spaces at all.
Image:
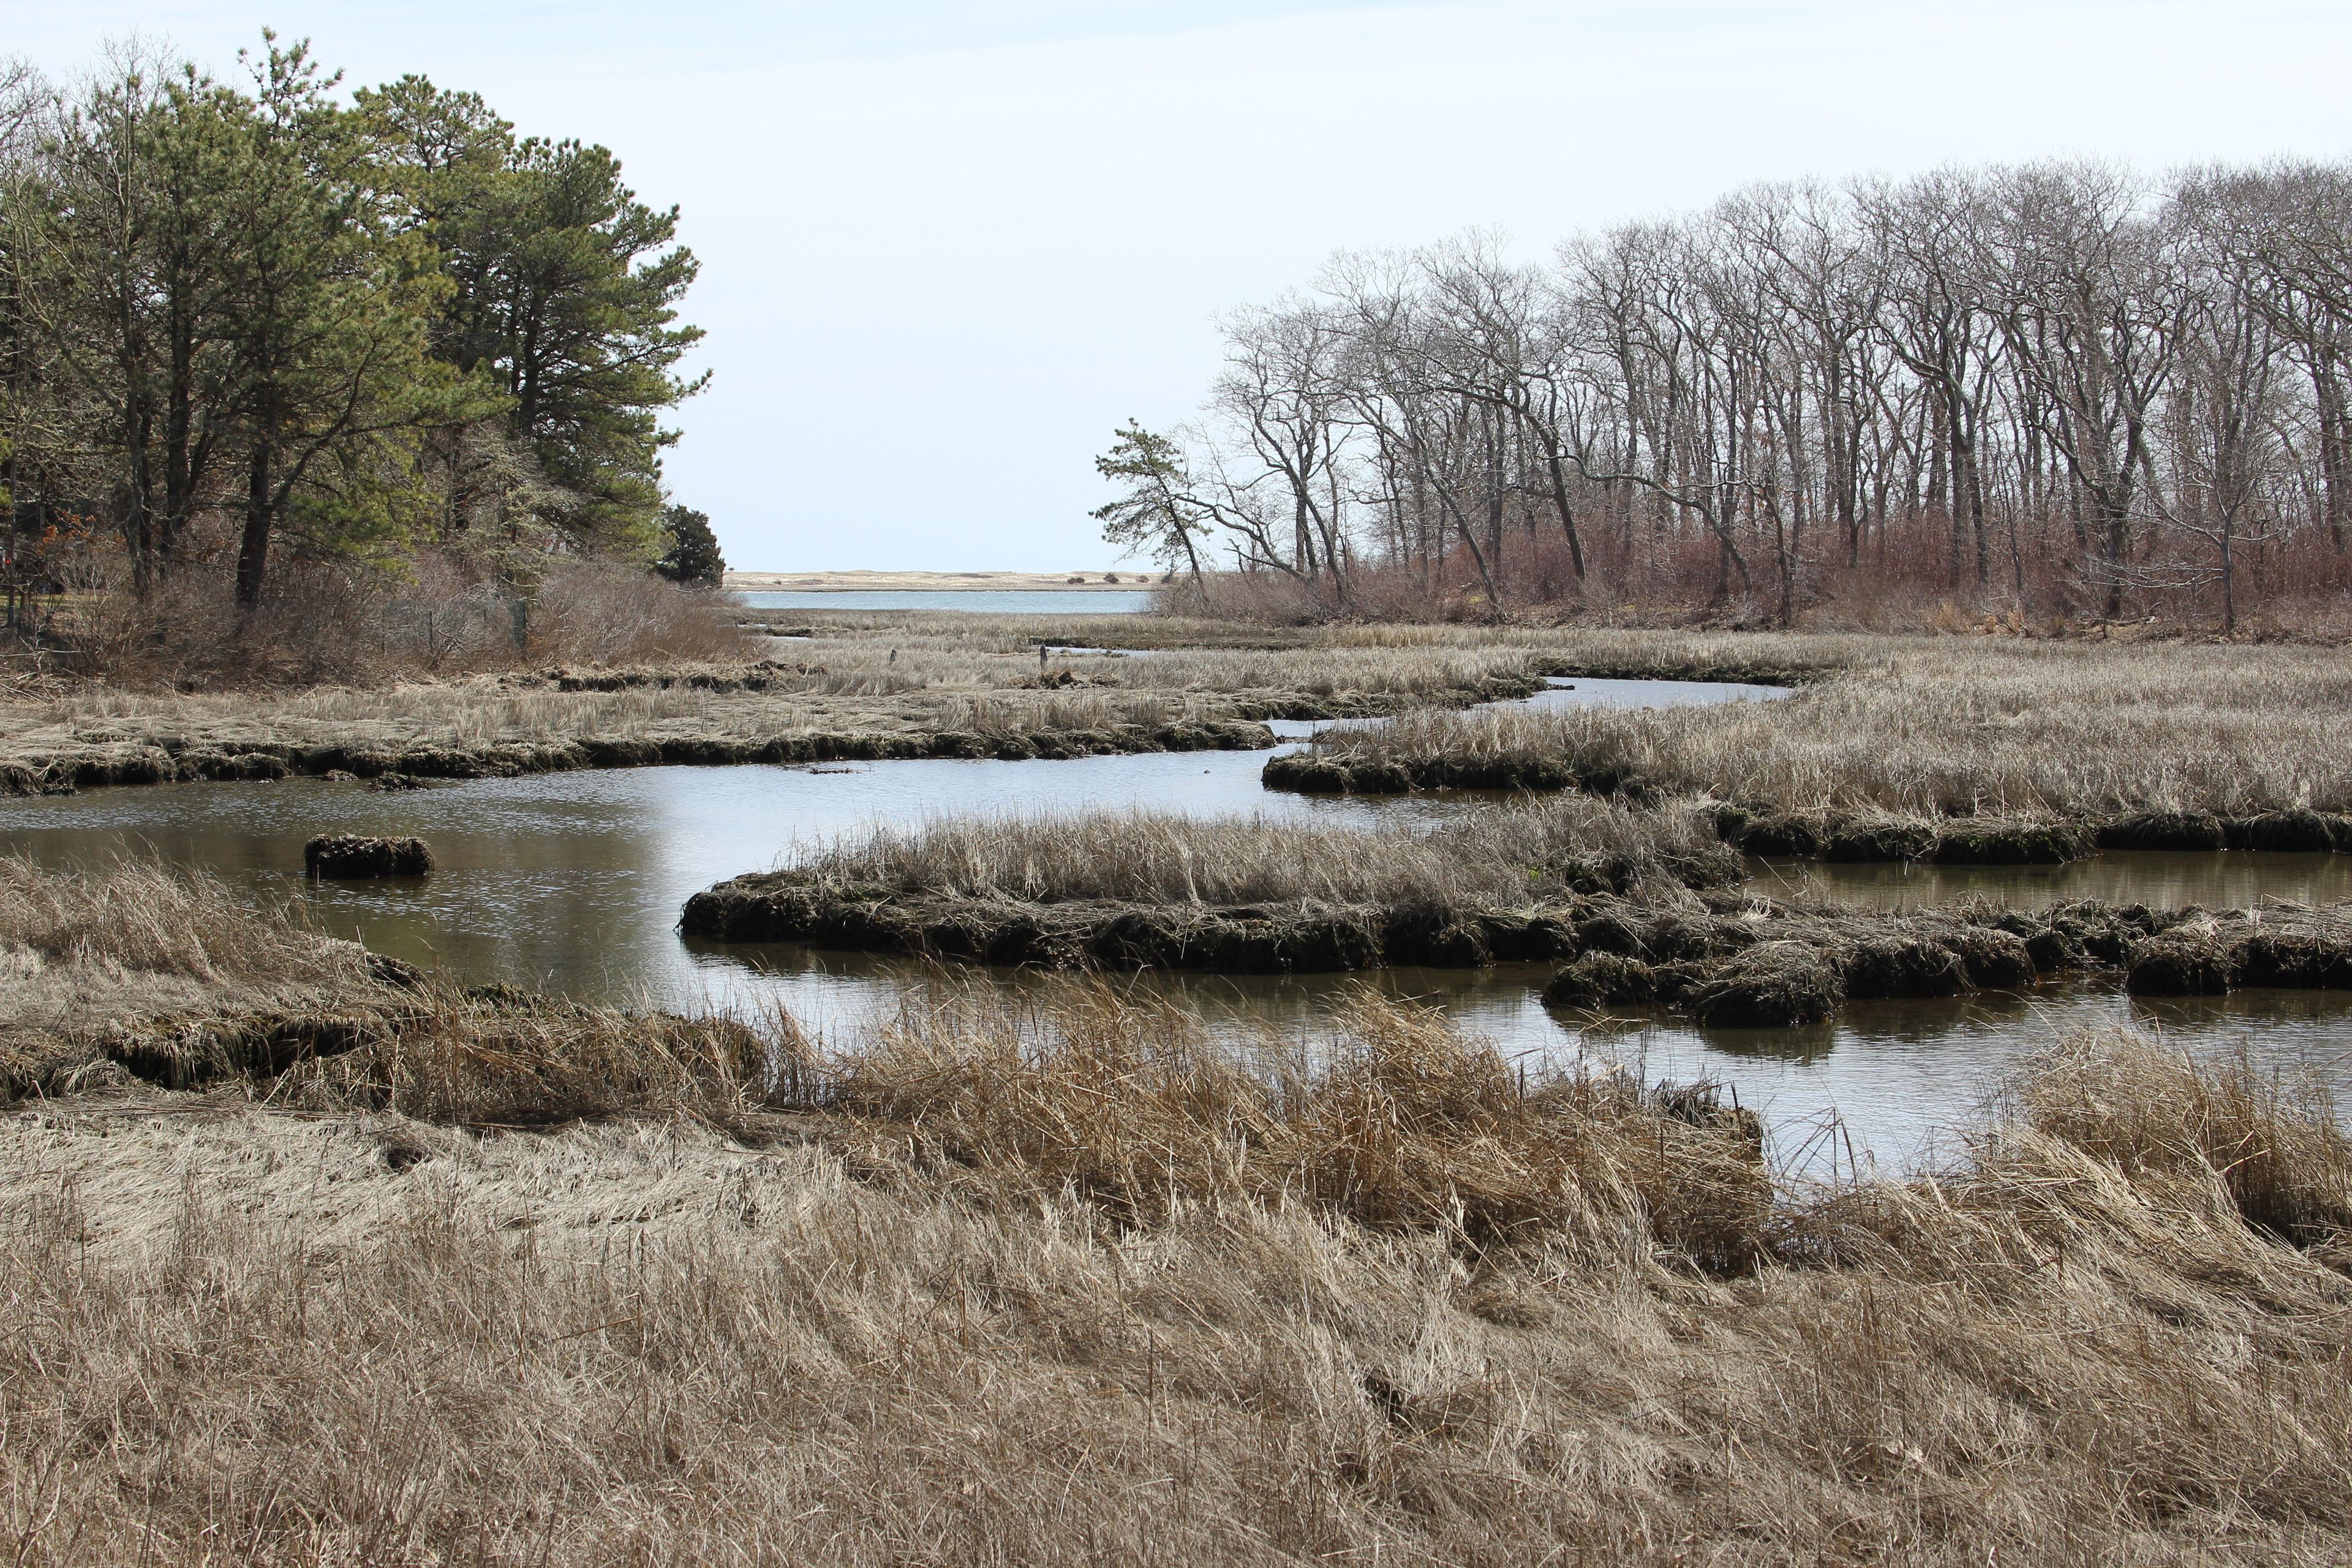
{"x":574,"y":881}
{"x":985,"y":600}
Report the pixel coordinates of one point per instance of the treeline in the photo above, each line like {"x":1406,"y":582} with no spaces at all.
{"x":2051,"y":390}
{"x":244,"y":323}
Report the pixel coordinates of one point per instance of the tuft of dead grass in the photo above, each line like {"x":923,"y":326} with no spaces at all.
{"x":144,"y":916}
{"x":2276,"y":1147}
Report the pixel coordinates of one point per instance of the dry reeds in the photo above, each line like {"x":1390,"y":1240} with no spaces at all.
{"x":142,"y":916}
{"x":1501,"y":857}
{"x":2273,"y":1145}
{"x":491,"y":1059}
{"x":1929,"y":729}
{"x":1397,"y":1122}
{"x":1045,"y":1297}
{"x":142,"y":971}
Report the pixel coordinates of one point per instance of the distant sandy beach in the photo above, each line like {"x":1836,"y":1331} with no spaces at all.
{"x":942,"y":581}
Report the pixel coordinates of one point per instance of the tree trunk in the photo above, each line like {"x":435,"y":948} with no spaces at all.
{"x":1567,"y":513}
{"x":253,"y":547}
{"x":2333,"y":465}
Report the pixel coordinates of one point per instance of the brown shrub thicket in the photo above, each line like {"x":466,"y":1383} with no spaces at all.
{"x":321,"y":622}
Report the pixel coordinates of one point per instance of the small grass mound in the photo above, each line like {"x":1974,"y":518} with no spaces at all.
{"x":2290,"y":946}
{"x":1145,"y":891}
{"x":349,"y":858}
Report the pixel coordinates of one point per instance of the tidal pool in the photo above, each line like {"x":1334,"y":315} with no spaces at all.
{"x":573,"y":881}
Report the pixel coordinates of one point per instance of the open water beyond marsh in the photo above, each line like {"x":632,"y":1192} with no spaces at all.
{"x":574,"y":880}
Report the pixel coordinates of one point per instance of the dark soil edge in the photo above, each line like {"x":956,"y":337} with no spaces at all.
{"x":177,"y":763}
{"x":1745,"y":962}
{"x":1850,"y":836}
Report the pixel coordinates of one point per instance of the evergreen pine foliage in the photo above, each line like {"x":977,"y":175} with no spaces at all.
{"x":692,"y":554}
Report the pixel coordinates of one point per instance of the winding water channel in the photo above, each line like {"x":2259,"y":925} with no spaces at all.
{"x":574,"y":880}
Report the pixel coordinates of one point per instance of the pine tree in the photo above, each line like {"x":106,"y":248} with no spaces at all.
{"x":693,"y":556}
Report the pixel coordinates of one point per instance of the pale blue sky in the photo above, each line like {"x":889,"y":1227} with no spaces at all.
{"x":948,"y":247}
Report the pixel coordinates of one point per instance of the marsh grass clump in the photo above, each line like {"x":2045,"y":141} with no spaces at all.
{"x":491,"y":1058}
{"x":1761,"y":963}
{"x":1772,"y":985}
{"x":139,"y":972}
{"x":1142,"y":889}
{"x":2273,"y":1145}
{"x":99,"y":964}
{"x":2200,"y":952}
{"x":1154,"y":858}
{"x":349,"y":856}
{"x":1394,"y":1122}
{"x":142,"y":916}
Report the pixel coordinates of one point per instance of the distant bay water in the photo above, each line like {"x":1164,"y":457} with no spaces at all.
{"x":982,"y":601}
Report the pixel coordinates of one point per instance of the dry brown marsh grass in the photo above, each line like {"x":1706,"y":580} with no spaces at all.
{"x":1077,"y":1295}
{"x":1394,"y":1122}
{"x":94,"y":962}
{"x":893,"y":682}
{"x":1510,"y":856}
{"x":1963,"y":726}
{"x":491,"y":1059}
{"x":140,"y":970}
{"x":2275,"y":1146}
{"x":137,"y":915}
{"x":1063,"y":1283}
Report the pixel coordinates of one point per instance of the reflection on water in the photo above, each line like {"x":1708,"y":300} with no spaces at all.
{"x":1586,"y":691}
{"x":2161,"y":879}
{"x":574,"y":881}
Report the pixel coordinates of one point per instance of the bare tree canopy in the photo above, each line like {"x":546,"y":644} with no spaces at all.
{"x":2051,"y":389}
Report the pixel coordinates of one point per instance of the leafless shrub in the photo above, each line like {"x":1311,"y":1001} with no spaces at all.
{"x":595,"y":614}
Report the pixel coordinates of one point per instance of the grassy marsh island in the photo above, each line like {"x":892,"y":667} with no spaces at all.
{"x":1641,"y":906}
{"x":1962,"y":749}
